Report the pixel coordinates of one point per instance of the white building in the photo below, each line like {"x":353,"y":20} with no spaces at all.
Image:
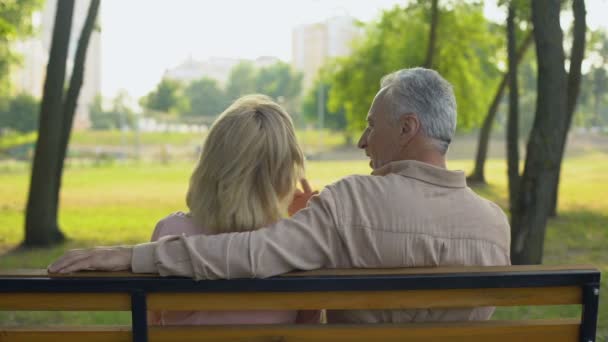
{"x":314,"y":44}
{"x":29,"y":77}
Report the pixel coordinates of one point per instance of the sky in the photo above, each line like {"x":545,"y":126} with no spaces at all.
{"x":143,"y":38}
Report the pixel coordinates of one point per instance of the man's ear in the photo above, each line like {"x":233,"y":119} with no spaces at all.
{"x":409,"y":125}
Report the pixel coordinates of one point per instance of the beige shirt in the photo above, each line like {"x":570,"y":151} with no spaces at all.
{"x":406,"y":214}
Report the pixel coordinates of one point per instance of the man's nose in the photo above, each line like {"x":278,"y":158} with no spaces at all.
{"x":362,"y":144}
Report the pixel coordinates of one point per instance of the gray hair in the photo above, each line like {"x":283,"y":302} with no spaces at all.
{"x":425,"y":93}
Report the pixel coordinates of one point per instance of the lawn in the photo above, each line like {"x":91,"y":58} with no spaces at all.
{"x":118,"y":204}
{"x":310,"y":138}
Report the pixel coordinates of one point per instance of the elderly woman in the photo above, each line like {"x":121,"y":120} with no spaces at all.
{"x":245,"y":179}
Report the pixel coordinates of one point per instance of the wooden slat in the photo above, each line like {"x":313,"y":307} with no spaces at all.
{"x":495,"y":331}
{"x":440,"y":270}
{"x":65,"y":301}
{"x":66,"y":334}
{"x":367,"y":299}
{"x":297,"y":300}
{"x":327,"y":272}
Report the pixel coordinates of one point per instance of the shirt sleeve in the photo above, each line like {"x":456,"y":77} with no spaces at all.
{"x":308,"y":240}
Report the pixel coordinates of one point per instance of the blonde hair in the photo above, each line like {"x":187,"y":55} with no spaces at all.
{"x":248,"y":168}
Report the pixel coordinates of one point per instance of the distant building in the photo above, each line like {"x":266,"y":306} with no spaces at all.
{"x":217,"y":68}
{"x":29,"y":77}
{"x":314,"y":44}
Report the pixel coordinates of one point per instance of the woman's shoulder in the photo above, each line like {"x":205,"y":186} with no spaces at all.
{"x":177,"y":223}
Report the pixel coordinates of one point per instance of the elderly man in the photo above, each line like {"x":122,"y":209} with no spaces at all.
{"x":410,"y":212}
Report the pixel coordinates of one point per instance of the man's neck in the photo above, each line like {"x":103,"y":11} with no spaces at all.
{"x":426,"y":155}
{"x":437,"y":160}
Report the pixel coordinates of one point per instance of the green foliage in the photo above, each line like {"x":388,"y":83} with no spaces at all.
{"x":278,"y":81}
{"x":15,"y":23}
{"x":20,"y":114}
{"x":168,"y":97}
{"x":466,"y":55}
{"x":11,"y":140}
{"x":593,"y":98}
{"x":206,"y":98}
{"x":241,"y":81}
{"x":117,"y":117}
{"x":334,"y":120}
{"x":522,"y":8}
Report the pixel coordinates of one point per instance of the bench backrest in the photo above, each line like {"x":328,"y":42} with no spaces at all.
{"x":453,"y":287}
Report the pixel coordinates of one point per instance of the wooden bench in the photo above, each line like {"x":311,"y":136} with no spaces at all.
{"x":324,"y":289}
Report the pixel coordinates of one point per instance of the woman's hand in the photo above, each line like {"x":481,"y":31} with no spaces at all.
{"x":301,"y":197}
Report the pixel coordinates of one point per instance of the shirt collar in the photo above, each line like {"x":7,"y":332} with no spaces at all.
{"x":424,"y":172}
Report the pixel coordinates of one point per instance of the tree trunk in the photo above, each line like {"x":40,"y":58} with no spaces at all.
{"x":71,"y":100}
{"x":577,"y":54}
{"x":478,"y":175}
{"x":528,"y":224}
{"x":41,"y":226}
{"x":513,"y":117}
{"x":430,"y":52}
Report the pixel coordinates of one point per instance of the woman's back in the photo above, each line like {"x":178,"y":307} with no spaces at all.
{"x":245,"y":179}
{"x":180,"y":223}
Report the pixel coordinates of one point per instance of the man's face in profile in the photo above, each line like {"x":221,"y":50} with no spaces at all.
{"x":380,"y":138}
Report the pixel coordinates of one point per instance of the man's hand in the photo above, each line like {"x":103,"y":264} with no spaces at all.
{"x":117,"y":258}
{"x":301,"y":197}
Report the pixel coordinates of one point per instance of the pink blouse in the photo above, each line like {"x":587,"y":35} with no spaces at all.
{"x":180,"y":223}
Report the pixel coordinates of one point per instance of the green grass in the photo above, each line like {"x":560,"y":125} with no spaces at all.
{"x":117,"y":138}
{"x":16,"y":139}
{"x":311,"y":138}
{"x":120,"y":204}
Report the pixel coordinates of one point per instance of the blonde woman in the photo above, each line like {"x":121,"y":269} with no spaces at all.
{"x":245,"y":179}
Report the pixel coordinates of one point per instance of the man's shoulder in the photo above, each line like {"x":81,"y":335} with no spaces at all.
{"x":492,"y":208}
{"x":494,"y":219}
{"x":358,"y":181}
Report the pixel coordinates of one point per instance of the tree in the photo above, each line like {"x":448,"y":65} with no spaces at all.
{"x":594,"y":86}
{"x":242,"y":81}
{"x":598,"y":81}
{"x":15,"y":23}
{"x":513,"y":117}
{"x":478,"y":175}
{"x":21,"y":114}
{"x":432,"y":42}
{"x":543,"y":155}
{"x":574,"y":81}
{"x":334,"y":120}
{"x":119,"y":115}
{"x":71,"y":98}
{"x":279,"y":81}
{"x":206,"y":98}
{"x":41,"y":228}
{"x":100,"y":118}
{"x":394,"y":42}
{"x":283,"y":84}
{"x":56,"y":118}
{"x":167,"y":97}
